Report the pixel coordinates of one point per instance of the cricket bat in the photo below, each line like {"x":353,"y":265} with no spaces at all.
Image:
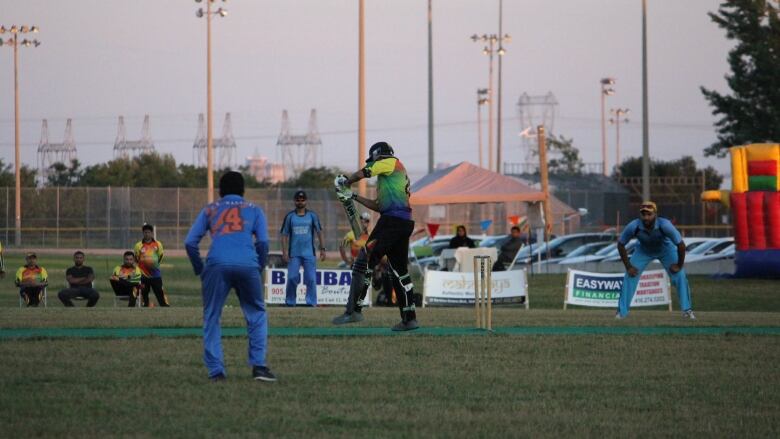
{"x":352,"y":217}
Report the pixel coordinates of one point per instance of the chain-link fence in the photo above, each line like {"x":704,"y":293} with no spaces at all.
{"x":111,"y":217}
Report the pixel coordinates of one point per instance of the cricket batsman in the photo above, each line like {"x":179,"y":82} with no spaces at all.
{"x":657,"y":239}
{"x":237,"y":256}
{"x":390,"y":237}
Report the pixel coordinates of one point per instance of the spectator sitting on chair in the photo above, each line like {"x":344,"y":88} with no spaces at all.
{"x":31,"y":280}
{"x":509,"y":250}
{"x":461,"y":239}
{"x":80,"y":278}
{"x":126,"y":278}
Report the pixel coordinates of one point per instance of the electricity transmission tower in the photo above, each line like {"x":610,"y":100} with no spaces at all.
{"x":127,"y":149}
{"x":51,"y":153}
{"x":225,"y":148}
{"x":532,"y":112}
{"x":300,"y":152}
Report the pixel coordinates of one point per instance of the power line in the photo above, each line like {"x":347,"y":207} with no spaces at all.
{"x":411,"y":127}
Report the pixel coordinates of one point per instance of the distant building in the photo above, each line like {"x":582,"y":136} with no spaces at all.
{"x":262,"y":169}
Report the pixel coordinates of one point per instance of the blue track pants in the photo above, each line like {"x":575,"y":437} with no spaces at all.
{"x":294,"y":278}
{"x":640,"y":259}
{"x":217,"y":281}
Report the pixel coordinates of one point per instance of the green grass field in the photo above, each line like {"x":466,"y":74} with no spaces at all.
{"x":409,"y":385}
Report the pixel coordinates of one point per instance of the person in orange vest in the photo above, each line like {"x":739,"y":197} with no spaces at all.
{"x":149,"y":254}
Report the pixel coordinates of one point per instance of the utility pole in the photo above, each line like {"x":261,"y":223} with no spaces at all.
{"x":490,"y":41}
{"x":501,"y":52}
{"x":618,"y":115}
{"x":209,"y":104}
{"x":430,"y":88}
{"x":606,"y":90}
{"x":361,"y":93}
{"x":481,"y":100}
{"x":645,"y":123}
{"x":14,"y":43}
{"x":545,"y":182}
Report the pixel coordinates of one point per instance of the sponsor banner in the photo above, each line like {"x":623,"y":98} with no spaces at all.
{"x":332,"y":287}
{"x":455,"y":288}
{"x":603,"y":289}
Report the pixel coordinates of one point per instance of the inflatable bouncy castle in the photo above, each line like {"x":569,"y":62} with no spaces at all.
{"x":755,"y":209}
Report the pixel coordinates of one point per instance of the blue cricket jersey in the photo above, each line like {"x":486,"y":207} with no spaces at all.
{"x":301,"y":229}
{"x":652,"y":241}
{"x":239,"y":234}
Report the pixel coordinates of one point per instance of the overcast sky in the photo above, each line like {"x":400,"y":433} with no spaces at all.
{"x":104,"y":58}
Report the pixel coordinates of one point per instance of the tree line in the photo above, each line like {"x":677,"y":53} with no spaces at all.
{"x":149,"y":170}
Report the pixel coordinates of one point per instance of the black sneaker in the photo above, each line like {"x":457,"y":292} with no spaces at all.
{"x":218,"y":378}
{"x":262,"y":373}
{"x":348,"y":318}
{"x":405,"y":326}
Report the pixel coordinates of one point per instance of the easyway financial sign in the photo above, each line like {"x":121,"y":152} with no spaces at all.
{"x":603,"y":289}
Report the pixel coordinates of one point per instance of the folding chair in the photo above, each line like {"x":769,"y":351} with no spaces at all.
{"x":45,"y":298}
{"x":137,"y":289}
{"x":79,"y":298}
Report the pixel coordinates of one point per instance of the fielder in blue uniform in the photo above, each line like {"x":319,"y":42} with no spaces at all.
{"x":657,"y":239}
{"x":237,"y":256}
{"x":297,"y":236}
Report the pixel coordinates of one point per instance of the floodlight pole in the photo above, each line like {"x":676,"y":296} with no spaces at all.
{"x":361,"y":94}
{"x":222,"y":12}
{"x":17,"y":152}
{"x":14,"y":42}
{"x":430,"y":88}
{"x":645,"y":123}
{"x":209,"y":111}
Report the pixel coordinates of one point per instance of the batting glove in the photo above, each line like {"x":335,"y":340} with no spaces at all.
{"x":341,"y":180}
{"x":344,"y":194}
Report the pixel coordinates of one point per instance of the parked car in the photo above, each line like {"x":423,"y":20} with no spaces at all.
{"x":609,"y":250}
{"x":712,"y":243}
{"x":724,"y":249}
{"x":694,"y":242}
{"x":690,"y":244}
{"x":559,"y":247}
{"x":580,"y":252}
{"x":498,"y":240}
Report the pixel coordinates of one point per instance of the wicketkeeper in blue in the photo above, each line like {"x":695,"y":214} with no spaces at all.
{"x":657,"y":239}
{"x":237,"y":256}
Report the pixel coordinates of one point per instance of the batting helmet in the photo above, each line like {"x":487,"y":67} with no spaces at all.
{"x":380,"y":150}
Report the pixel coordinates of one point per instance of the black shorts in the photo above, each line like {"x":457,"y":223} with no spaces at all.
{"x":390,"y":238}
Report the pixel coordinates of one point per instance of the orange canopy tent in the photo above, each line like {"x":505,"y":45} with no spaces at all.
{"x":467,"y":183}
